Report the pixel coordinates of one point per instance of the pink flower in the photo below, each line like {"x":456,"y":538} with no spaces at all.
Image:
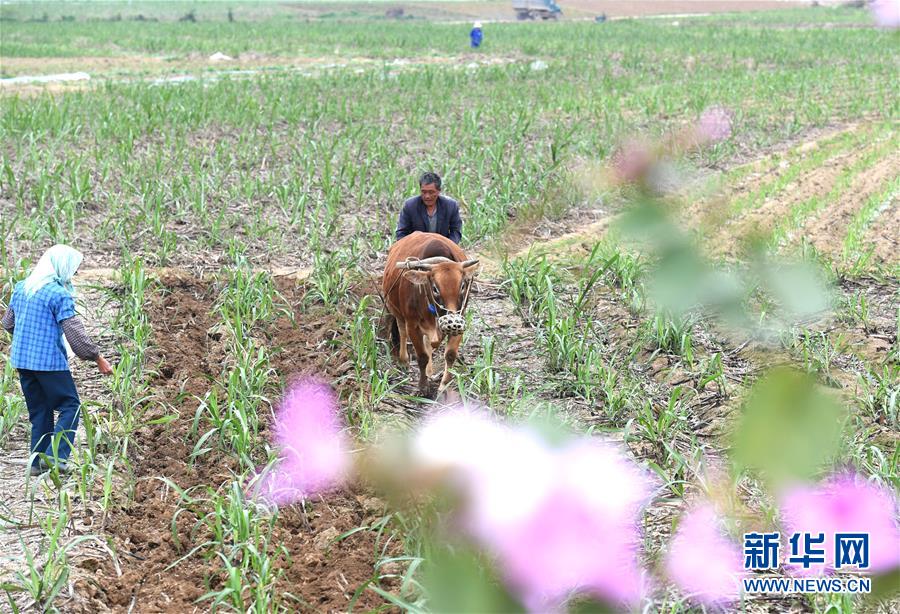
{"x":557,"y":520}
{"x":314,"y":449}
{"x":886,"y":13}
{"x":702,"y":561}
{"x":503,"y":472}
{"x":714,"y":125}
{"x":633,"y":161}
{"x":584,"y":534}
{"x":845,"y":504}
{"x":567,"y":547}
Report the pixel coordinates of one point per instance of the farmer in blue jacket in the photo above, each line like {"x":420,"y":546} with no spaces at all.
{"x":430,"y":212}
{"x":476,"y":34}
{"x":41,"y":314}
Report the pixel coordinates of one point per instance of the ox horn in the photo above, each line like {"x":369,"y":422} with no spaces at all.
{"x":422,"y":265}
{"x":469,"y":263}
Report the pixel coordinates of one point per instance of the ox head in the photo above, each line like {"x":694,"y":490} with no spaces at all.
{"x":446,"y":284}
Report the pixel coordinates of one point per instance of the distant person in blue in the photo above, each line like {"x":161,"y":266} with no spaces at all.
{"x":476,"y":34}
{"x":430,"y":212}
{"x":41,"y":318}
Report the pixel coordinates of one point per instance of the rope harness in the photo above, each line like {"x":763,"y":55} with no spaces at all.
{"x":451,"y":322}
{"x":434,"y":303}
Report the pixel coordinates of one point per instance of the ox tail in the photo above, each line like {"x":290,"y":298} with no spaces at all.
{"x":389,"y":325}
{"x":395,"y":336}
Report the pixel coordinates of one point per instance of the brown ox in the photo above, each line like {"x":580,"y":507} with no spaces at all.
{"x":427,"y":269}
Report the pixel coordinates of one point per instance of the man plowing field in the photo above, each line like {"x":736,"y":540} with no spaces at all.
{"x":426,"y":286}
{"x":430,"y":212}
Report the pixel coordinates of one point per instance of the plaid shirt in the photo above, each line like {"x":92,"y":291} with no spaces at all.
{"x":37,"y":340}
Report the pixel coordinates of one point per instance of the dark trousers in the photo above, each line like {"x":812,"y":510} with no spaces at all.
{"x":46,"y":392}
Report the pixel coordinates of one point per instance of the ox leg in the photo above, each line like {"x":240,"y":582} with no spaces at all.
{"x":423,"y":356}
{"x":429,"y":351}
{"x":450,"y":355}
{"x":412,"y":333}
{"x":434,"y":336}
{"x":403,"y":355}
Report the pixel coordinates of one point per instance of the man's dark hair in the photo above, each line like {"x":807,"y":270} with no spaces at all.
{"x":430,"y":177}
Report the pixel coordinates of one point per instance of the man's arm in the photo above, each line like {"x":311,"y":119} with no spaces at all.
{"x":455,"y":225}
{"x":404,"y":225}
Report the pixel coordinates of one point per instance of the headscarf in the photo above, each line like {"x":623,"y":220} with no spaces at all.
{"x":57,"y":265}
{"x":476,"y":25}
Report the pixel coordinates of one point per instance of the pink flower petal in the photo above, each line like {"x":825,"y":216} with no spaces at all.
{"x":633,"y":161}
{"x":567,"y":547}
{"x":557,"y":520}
{"x":886,"y":13}
{"x":314,"y":449}
{"x":845,"y":504}
{"x":714,"y":125}
{"x":702,"y":561}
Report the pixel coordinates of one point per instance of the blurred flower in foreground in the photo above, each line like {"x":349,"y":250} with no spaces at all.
{"x":789,"y":430}
{"x":557,"y":520}
{"x":681,"y":279}
{"x":845,"y":504}
{"x":314,"y":449}
{"x":886,"y":13}
{"x":714,"y":125}
{"x":648,"y":165}
{"x":633,"y":161}
{"x":702,"y":561}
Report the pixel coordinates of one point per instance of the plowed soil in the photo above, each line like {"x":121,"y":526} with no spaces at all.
{"x":827,"y":230}
{"x":321,"y":573}
{"x":833,"y":191}
{"x":642,"y":8}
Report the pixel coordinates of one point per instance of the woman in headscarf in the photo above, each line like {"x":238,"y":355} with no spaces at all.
{"x":40,"y":318}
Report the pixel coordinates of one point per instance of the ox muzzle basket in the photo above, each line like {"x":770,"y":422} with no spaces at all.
{"x":451,"y":322}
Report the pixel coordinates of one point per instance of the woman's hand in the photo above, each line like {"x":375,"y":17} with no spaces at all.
{"x":104,"y":366}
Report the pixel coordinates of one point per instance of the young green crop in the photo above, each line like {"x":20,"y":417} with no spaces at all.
{"x":855,"y":255}
{"x":170,"y":170}
{"x":842,"y":183}
{"x":46,"y":573}
{"x":12,"y":407}
{"x":248,"y":300}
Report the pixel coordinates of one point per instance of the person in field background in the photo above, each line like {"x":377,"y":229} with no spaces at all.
{"x":430,"y":212}
{"x":476,"y":35}
{"x":41,"y":318}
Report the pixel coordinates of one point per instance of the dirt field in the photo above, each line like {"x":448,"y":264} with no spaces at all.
{"x":646,"y":8}
{"x":321,"y":573}
{"x":131,"y":65}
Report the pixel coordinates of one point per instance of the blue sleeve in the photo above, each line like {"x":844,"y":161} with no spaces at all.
{"x":63,"y":307}
{"x":455,"y":225}
{"x":404,"y":224}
